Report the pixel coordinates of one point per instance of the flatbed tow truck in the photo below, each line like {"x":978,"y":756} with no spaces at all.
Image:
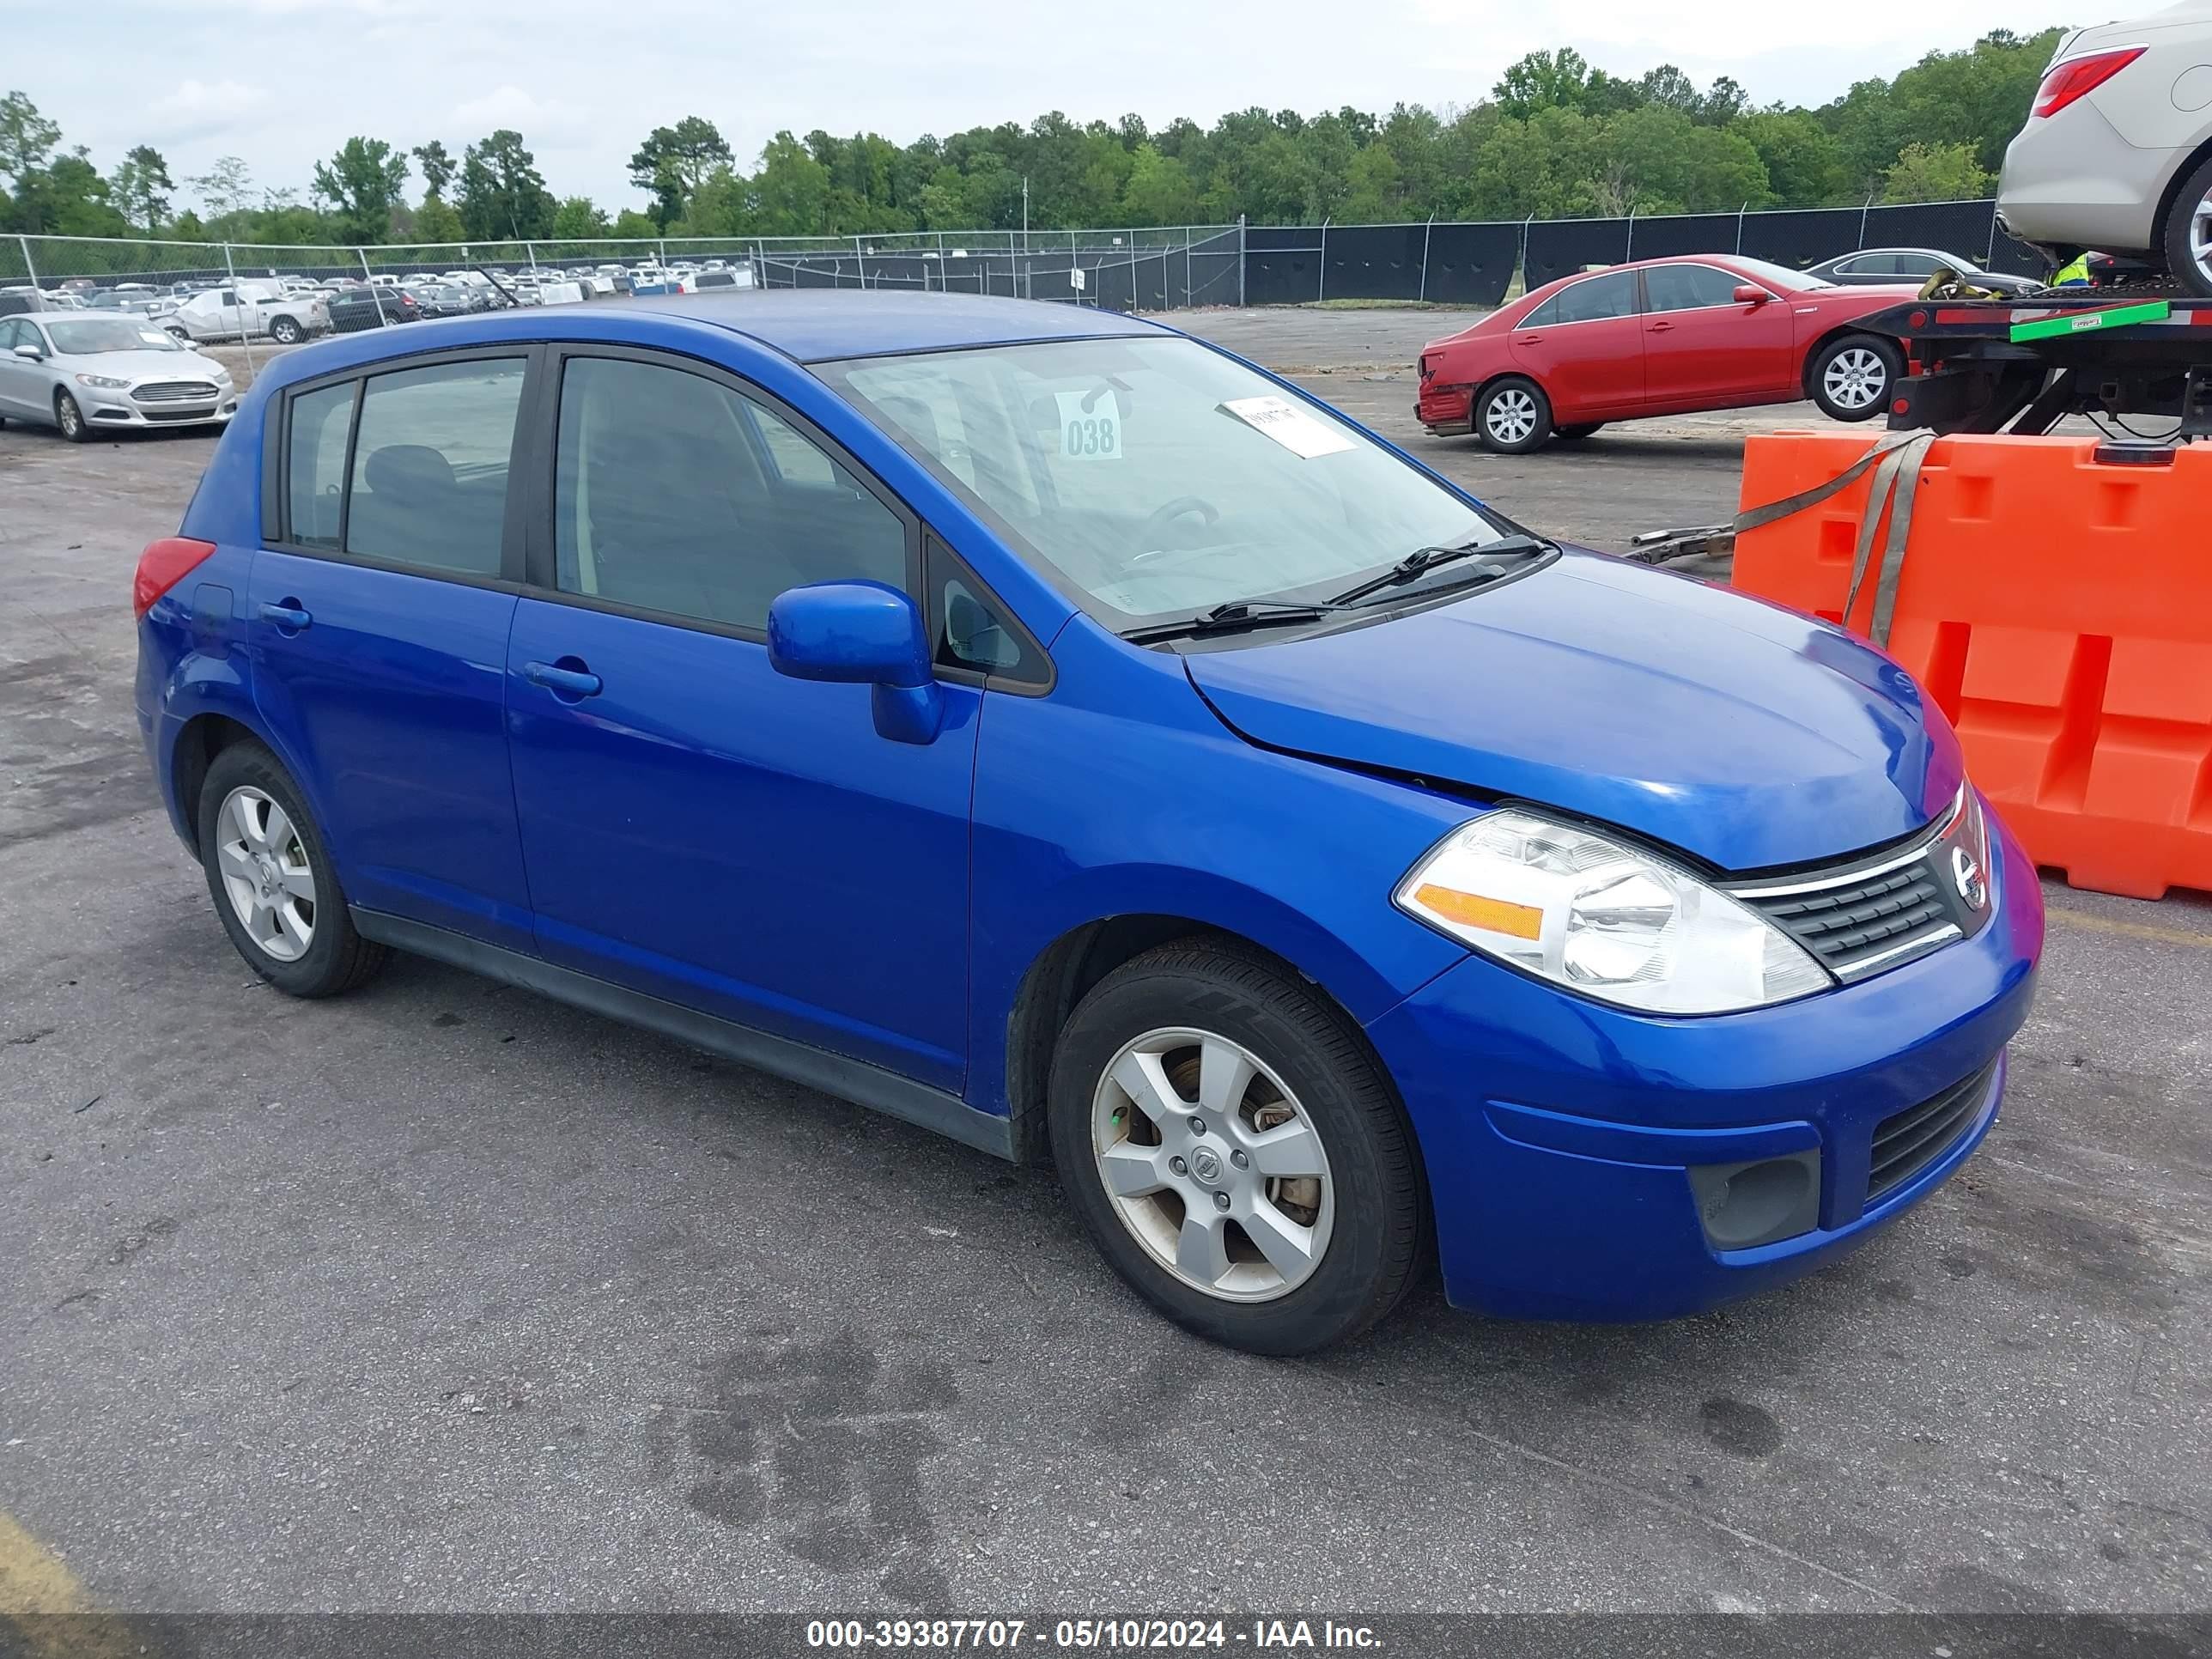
{"x":2019,"y":365}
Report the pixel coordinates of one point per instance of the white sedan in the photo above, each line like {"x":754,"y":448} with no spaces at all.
{"x":82,"y":372}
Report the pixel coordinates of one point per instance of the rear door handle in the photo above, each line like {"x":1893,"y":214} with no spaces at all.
{"x":569,"y":682}
{"x":1662,"y":328}
{"x":1530,"y":339}
{"x":289,"y":616}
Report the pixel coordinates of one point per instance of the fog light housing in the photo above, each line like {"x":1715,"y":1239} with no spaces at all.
{"x":1742,"y":1206}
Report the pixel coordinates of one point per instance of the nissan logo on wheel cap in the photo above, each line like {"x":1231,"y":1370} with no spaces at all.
{"x":1967,"y":876}
{"x":1206,"y":1165}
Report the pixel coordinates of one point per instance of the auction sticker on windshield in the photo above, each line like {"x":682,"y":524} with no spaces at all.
{"x":1090,"y":426}
{"x":1288,"y":425}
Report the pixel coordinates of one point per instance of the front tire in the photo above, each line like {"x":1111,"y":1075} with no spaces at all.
{"x":1235,"y":1151}
{"x":271,"y":879}
{"x":70,"y":419}
{"x":1850,"y":377}
{"x":2188,"y":238}
{"x":1513,"y":415}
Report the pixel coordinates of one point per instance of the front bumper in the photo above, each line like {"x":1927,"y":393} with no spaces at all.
{"x":1559,"y":1133}
{"x":102,"y":407}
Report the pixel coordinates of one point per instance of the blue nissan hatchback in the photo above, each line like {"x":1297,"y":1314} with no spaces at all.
{"x":1054,"y":730}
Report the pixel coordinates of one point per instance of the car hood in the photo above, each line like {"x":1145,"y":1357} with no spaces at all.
{"x":1746,"y":734}
{"x":138,"y":365}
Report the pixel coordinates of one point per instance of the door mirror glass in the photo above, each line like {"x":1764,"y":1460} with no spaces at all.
{"x":1750,"y":294}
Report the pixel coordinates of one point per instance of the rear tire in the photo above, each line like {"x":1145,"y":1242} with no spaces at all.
{"x":1513,"y":415}
{"x":1852,"y":377}
{"x":2188,"y":240}
{"x":70,"y":419}
{"x":1576,"y":434}
{"x":284,"y":331}
{"x":271,"y":879}
{"x":1296,"y":1216}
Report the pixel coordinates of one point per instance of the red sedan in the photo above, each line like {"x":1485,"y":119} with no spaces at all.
{"x":1661,"y":337}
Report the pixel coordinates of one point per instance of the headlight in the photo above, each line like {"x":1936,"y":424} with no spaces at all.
{"x":1603,"y":918}
{"x":105,"y":382}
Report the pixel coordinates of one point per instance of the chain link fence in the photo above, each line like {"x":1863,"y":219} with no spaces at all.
{"x":1150,"y":268}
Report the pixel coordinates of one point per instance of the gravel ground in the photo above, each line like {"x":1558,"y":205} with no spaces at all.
{"x":442,"y":1296}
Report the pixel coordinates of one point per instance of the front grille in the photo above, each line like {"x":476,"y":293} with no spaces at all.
{"x":1880,"y":909}
{"x":173,"y":392}
{"x":1909,"y":1141}
{"x":174,"y":414}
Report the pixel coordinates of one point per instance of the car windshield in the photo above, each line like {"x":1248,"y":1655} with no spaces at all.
{"x":83,"y":336}
{"x":1157,"y":477}
{"x":1780,"y":276}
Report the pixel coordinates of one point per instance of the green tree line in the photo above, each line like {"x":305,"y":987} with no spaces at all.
{"x":1556,"y":138}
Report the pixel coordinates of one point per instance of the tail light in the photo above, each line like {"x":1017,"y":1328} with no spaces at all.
{"x":161,"y":566}
{"x":2078,"y":77}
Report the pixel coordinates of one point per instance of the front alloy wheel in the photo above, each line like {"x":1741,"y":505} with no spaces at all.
{"x":1854,"y":377}
{"x":1212,"y":1165}
{"x":1235,"y":1150}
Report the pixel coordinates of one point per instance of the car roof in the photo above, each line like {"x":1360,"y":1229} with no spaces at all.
{"x":821,"y":324}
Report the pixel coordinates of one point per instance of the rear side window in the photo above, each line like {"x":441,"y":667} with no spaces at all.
{"x":430,"y":464}
{"x":321,"y":422}
{"x":1598,"y":298}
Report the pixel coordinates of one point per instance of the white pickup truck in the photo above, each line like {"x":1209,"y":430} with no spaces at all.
{"x":224,"y":313}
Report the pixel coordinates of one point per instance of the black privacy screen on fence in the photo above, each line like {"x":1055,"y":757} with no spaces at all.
{"x":1143,"y":269}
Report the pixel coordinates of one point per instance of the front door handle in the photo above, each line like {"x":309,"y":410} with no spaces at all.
{"x":563,"y":681}
{"x":1662,"y":328}
{"x":1530,"y":339}
{"x":289,"y":615}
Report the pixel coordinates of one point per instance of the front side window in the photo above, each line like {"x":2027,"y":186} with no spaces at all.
{"x":674,"y":493}
{"x":1154,"y":478}
{"x":430,"y":461}
{"x":1688,"y":288}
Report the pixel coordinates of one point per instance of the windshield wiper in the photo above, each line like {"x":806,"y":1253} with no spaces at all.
{"x":1235,"y":617}
{"x":1428,"y":558}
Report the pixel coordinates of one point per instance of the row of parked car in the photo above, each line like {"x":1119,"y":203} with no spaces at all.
{"x":288,"y":309}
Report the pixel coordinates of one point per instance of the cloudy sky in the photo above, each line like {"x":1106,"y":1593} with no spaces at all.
{"x":281,"y":82}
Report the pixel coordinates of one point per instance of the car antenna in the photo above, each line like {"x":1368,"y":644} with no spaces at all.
{"x":505,"y":293}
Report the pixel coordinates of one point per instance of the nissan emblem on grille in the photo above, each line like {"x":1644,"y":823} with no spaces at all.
{"x":1967,"y":876}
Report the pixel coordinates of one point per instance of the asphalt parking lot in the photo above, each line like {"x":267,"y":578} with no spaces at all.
{"x":442,"y":1296}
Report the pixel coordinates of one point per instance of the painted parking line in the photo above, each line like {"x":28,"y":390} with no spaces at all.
{"x":2153,"y":932}
{"x":48,"y":1609}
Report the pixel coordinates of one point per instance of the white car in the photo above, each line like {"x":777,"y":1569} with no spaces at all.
{"x":84,"y":371}
{"x":2117,"y":153}
{"x":228,"y":313}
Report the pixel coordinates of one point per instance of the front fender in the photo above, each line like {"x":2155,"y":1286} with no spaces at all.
{"x":1122,"y":795}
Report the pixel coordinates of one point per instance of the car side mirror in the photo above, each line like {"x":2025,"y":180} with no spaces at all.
{"x":1750,"y":294}
{"x":31,"y":354}
{"x":861,"y":634}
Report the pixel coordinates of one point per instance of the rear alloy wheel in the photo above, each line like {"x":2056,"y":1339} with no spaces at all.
{"x":70,"y":419}
{"x":284,"y":331}
{"x":2189,"y":234}
{"x":274,"y":890}
{"x":1233,"y":1150}
{"x":1513,"y":417}
{"x":1850,"y":377}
